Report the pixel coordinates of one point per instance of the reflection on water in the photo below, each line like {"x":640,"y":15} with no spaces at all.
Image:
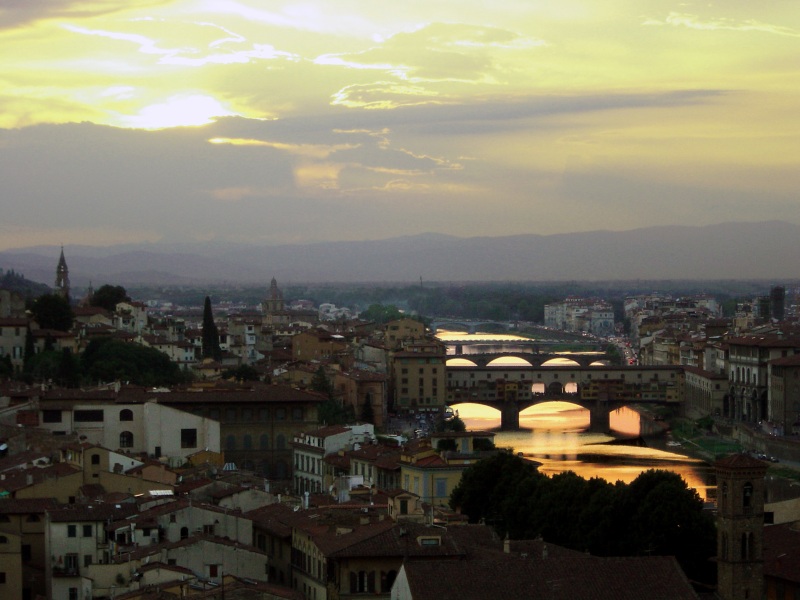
{"x":555,"y":435}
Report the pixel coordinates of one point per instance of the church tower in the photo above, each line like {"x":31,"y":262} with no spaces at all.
{"x":740,"y":527}
{"x":62,"y":277}
{"x":273,"y":303}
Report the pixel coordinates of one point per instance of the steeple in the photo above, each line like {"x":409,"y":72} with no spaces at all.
{"x":740,"y":527}
{"x":62,"y":276}
{"x":274,"y":301}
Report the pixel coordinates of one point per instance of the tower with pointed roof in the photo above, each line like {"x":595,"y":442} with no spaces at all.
{"x":274,"y":301}
{"x":62,"y":276}
{"x":740,"y":527}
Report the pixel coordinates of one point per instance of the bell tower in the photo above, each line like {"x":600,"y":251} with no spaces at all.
{"x":274,"y":301}
{"x":740,"y":527}
{"x":62,"y":277}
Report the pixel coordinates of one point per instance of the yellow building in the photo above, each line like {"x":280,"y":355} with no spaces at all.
{"x":419,"y":379}
{"x":397,"y":332}
{"x":433,"y":476}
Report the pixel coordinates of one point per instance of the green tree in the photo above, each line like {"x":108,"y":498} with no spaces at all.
{"x":242,"y":373}
{"x":68,"y":374}
{"x":108,"y":296}
{"x":379,"y":313}
{"x":6,"y":367}
{"x":485,"y":484}
{"x":320,"y":383}
{"x":657,"y":514}
{"x":52,"y":311}
{"x":367,"y":414}
{"x":108,"y":359}
{"x":210,"y":346}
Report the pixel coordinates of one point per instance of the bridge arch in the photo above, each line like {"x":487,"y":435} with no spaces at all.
{"x":509,"y":361}
{"x":561,"y":361}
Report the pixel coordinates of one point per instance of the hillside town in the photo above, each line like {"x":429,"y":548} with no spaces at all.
{"x":306,"y":453}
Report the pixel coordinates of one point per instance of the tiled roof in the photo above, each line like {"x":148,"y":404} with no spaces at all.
{"x":787,"y":361}
{"x":272,"y":518}
{"x":257,"y":393}
{"x":90,"y":512}
{"x":14,"y":506}
{"x":17,"y":480}
{"x":782,"y":552}
{"x":498,"y":575}
{"x":740,"y":461}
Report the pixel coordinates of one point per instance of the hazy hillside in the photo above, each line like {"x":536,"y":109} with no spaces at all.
{"x":728,"y":251}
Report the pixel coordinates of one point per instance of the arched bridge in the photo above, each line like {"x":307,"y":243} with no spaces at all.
{"x":601,"y":390}
{"x":534,"y":358}
{"x":468,"y":325}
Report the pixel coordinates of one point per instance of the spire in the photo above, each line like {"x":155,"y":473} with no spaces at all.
{"x":62,"y":276}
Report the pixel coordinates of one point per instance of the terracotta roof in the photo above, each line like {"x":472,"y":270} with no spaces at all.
{"x":782,"y":552}
{"x":704,"y":373}
{"x":272,"y":518}
{"x":90,"y":512}
{"x":787,"y":361}
{"x":498,"y":575}
{"x":24,"y":506}
{"x":740,"y":461}
{"x":17,"y":480}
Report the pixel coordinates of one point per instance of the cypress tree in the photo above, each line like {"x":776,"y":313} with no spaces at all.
{"x":211,"y":347}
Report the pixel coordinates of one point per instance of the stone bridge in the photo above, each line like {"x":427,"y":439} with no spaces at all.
{"x":600,"y":389}
{"x":534,"y":358}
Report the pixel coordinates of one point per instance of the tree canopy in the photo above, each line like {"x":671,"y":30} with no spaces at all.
{"x":107,"y":359}
{"x":108,"y":296}
{"x":211,"y":348}
{"x":52,"y":311}
{"x":657,"y":514}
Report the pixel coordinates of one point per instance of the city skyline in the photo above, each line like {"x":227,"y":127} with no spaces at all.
{"x":298,"y":122}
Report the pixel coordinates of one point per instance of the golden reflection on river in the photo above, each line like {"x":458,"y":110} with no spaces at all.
{"x":554,"y":434}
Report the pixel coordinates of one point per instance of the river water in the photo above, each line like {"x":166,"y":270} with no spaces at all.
{"x":555,"y":433}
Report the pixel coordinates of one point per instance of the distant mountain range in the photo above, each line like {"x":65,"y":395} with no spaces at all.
{"x":767,"y":251}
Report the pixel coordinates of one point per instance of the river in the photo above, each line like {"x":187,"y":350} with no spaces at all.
{"x":554,"y":433}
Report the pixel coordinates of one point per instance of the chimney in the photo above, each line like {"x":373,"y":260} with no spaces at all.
{"x":507,"y":545}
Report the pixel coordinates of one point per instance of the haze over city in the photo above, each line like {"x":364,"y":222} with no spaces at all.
{"x":277,"y":123}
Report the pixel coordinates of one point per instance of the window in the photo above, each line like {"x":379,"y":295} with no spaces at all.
{"x":126,"y":439}
{"x":126,"y":414}
{"x":3,"y":539}
{"x":87,"y":531}
{"x":73,"y":593}
{"x":71,"y":563}
{"x":95,"y":459}
{"x":247,"y":414}
{"x":88,"y":416}
{"x":2,"y":577}
{"x":281,"y":442}
{"x":280,"y":414}
{"x":230,"y":442}
{"x":263,"y":414}
{"x":51,"y":416}
{"x":26,"y":552}
{"x":87,"y":560}
{"x":72,"y":531}
{"x":189,"y":438}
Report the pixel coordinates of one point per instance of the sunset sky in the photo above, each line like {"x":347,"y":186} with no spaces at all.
{"x":283,"y":122}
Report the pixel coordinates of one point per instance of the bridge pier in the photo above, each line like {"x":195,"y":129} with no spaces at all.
{"x":509,"y":417}
{"x":600,"y":418}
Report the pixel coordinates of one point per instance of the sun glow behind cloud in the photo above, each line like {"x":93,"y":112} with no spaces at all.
{"x":597,"y":108}
{"x":178,"y":111}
